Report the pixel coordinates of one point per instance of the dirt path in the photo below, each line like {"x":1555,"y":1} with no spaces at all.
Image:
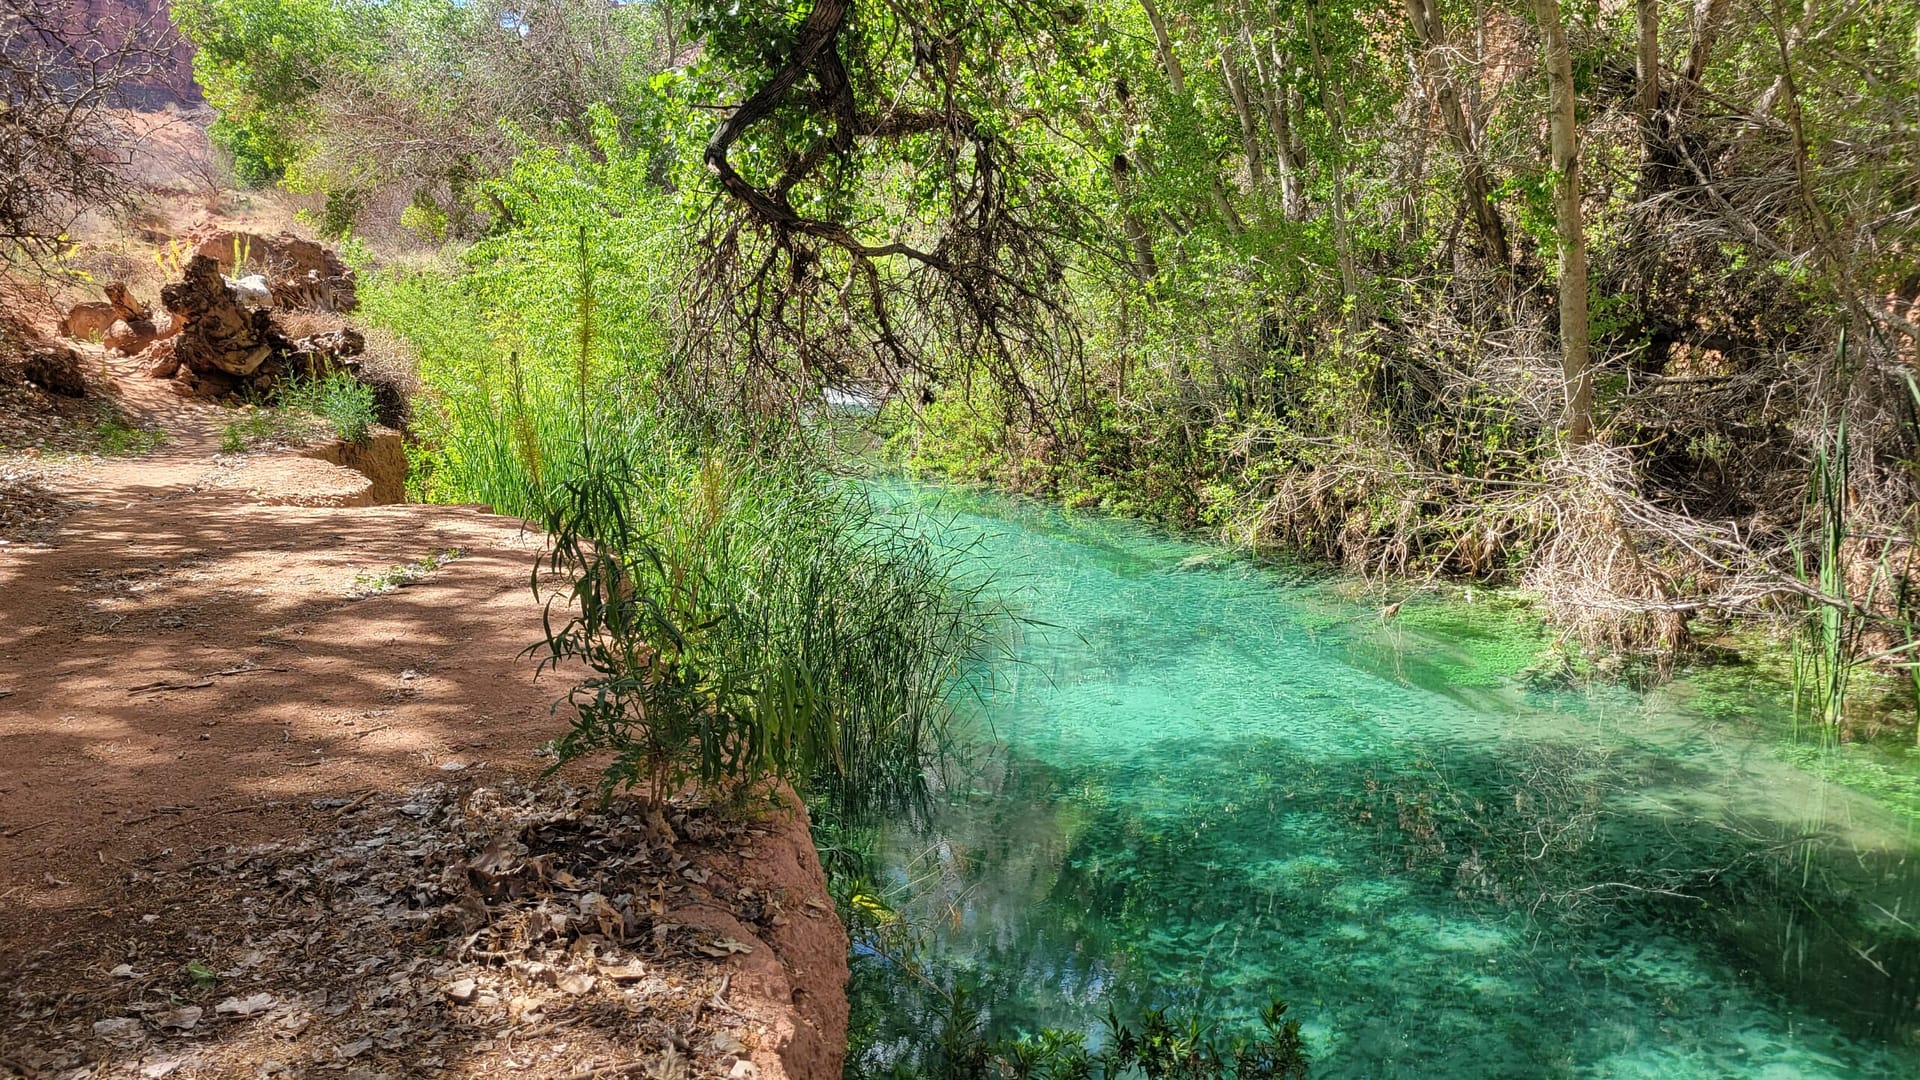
{"x":169,"y":572}
{"x":184,"y":670}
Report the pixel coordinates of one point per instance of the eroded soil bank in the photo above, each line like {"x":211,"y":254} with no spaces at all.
{"x":270,"y":803}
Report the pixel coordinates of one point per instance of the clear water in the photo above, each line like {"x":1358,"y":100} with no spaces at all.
{"x":1201,"y":783}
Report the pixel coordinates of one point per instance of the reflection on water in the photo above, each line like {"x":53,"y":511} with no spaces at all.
{"x":1204,"y":784}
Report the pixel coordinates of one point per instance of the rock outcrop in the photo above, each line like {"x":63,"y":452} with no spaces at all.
{"x":122,"y":323}
{"x":167,"y":78}
{"x":55,"y":369}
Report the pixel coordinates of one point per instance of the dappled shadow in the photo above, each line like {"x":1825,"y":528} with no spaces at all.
{"x":217,"y":718}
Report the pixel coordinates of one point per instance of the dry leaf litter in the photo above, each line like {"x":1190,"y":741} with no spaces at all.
{"x":459,"y":931}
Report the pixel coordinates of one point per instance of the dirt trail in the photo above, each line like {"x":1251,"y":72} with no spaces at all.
{"x":168,"y":572}
{"x":183,"y":669}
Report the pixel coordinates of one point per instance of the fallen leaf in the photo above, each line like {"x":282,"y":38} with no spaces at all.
{"x":353,"y":1049}
{"x":119,"y":1025}
{"x":180,"y":1019}
{"x":461,"y":990}
{"x":246,"y":1006}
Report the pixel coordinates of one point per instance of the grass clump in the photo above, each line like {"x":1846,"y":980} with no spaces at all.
{"x":377,"y":582}
{"x":304,"y":411}
{"x":744,"y":620}
{"x":114,"y":436}
{"x":261,"y":427}
{"x":344,"y":402}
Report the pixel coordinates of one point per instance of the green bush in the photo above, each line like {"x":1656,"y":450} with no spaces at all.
{"x":344,"y":402}
{"x":740,"y":616}
{"x":743,"y":620}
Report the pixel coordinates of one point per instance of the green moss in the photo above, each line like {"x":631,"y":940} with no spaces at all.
{"x":1888,"y":777}
{"x":1485,"y":642}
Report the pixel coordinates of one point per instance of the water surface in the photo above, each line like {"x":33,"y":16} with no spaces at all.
{"x":1202,"y":783}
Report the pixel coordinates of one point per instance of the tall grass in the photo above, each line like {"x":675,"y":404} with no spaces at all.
{"x":743,"y":619}
{"x":1823,"y":650}
{"x":739,"y":614}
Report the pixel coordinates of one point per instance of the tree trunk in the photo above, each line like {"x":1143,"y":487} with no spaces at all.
{"x":1177,"y":79}
{"x":1575,"y":361}
{"x":1270,"y":89}
{"x":1336,"y":109}
{"x":1430,"y":61}
{"x":1249,"y":134}
{"x":1647,"y":68}
{"x":1145,"y":266}
{"x":1708,"y":17}
{"x":1290,"y":159}
{"x":1163,"y":44}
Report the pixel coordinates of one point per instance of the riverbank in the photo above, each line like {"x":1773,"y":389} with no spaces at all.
{"x":273,"y":800}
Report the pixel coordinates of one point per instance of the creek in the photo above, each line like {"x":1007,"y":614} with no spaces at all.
{"x":1200,"y":782}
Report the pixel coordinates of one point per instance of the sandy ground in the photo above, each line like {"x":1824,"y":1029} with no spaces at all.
{"x":185,"y":672}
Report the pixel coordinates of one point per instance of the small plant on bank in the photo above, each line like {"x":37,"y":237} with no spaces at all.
{"x":377,"y":582}
{"x":344,"y":402}
{"x":268,"y":427}
{"x":302,"y":412}
{"x":114,"y":437}
{"x":112,"y":433}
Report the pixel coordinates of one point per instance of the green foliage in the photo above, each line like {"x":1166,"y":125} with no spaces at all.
{"x":113,"y":436}
{"x":1157,"y":1046}
{"x":741,"y":616}
{"x":377,"y":583}
{"x":741,"y":620}
{"x":260,"y":61}
{"x":497,"y":337}
{"x":268,"y":426}
{"x":344,"y":402}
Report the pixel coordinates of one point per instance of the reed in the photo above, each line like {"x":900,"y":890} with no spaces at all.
{"x":738,"y":613}
{"x":741,"y":620}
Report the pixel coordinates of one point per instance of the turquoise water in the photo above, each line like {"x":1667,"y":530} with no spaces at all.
{"x":1202,"y":783}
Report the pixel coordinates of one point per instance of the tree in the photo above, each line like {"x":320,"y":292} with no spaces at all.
{"x":891,"y":198}
{"x":1564,"y":134}
{"x":260,"y":62}
{"x":63,"y":148}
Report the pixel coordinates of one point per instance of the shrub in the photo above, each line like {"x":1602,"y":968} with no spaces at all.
{"x":742,"y":620}
{"x":344,"y":402}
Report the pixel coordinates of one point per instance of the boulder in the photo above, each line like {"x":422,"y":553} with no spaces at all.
{"x":161,"y":359}
{"x":122,"y":323}
{"x":89,"y":321}
{"x":251,"y":290}
{"x":301,"y":275}
{"x":55,"y":369}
